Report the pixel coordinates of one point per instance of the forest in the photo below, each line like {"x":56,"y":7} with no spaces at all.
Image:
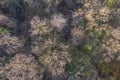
{"x":59,"y":39}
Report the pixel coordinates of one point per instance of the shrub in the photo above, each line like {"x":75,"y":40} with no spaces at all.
{"x":110,"y":3}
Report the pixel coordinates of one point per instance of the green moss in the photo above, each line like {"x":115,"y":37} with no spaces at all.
{"x":110,"y":3}
{"x":110,"y":68}
{"x":105,"y":68}
{"x":90,"y":73}
{"x":89,"y":47}
{"x":2,"y":30}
